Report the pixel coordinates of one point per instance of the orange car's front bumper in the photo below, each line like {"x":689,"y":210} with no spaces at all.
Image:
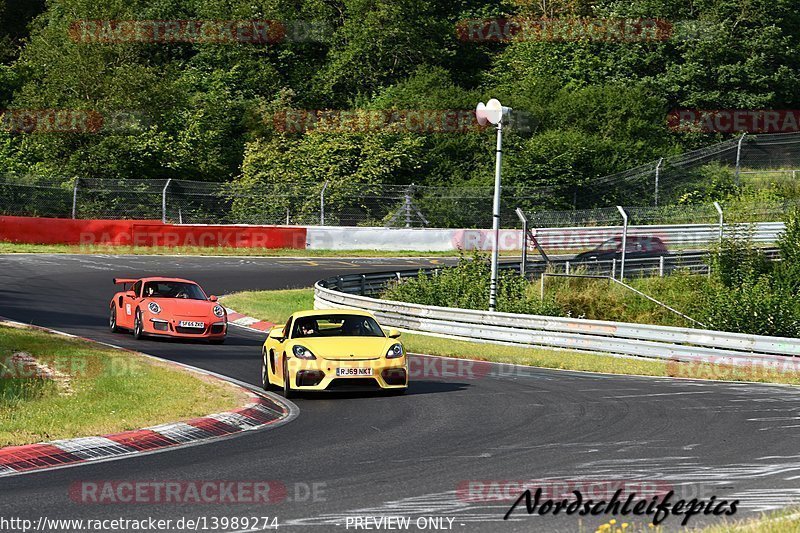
{"x":170,"y":328}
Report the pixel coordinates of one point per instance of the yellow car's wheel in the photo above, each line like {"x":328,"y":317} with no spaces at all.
{"x":264,"y":372}
{"x":287,"y":386}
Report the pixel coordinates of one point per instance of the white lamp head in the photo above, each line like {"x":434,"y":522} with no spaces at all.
{"x":492,"y":112}
{"x":480,"y":114}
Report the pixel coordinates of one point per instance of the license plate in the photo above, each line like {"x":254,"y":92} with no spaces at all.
{"x":353,"y":371}
{"x":189,"y":324}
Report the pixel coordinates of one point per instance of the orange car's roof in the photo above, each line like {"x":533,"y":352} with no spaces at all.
{"x":155,"y":278}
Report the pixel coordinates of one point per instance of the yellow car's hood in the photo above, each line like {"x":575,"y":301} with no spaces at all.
{"x":346,"y":348}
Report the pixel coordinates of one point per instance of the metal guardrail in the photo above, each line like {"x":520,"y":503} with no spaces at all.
{"x":695,"y":262}
{"x":662,"y":342}
{"x":672,"y":235}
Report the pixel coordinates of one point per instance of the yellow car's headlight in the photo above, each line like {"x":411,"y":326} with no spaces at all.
{"x":301,"y":352}
{"x":395,"y":351}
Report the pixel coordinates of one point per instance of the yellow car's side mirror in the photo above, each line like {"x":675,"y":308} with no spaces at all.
{"x":276,"y":334}
{"x":393,"y":333}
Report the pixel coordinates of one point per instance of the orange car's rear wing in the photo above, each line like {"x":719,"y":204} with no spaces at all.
{"x":124,"y":281}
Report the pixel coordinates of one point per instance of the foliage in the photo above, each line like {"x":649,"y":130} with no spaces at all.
{"x":203,"y":110}
{"x":466,"y":286}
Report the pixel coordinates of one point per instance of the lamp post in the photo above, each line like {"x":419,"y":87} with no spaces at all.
{"x":494,"y":112}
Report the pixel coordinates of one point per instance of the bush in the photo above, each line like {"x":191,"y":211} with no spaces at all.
{"x":737,"y":260}
{"x":757,"y":307}
{"x":752,"y":295}
{"x":466,"y":286}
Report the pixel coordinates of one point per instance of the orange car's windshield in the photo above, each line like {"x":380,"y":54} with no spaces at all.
{"x":336,"y":326}
{"x":173,"y":289}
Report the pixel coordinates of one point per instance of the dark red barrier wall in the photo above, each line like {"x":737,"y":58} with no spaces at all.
{"x":32,"y":230}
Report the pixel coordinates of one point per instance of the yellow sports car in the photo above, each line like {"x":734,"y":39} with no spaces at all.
{"x":333,"y":349}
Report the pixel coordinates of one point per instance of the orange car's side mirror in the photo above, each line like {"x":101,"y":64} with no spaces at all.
{"x":212,"y":298}
{"x":130,"y":294}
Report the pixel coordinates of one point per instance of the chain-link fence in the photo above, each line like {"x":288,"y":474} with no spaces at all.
{"x":672,"y":188}
{"x":748,"y":159}
{"x":193,"y":202}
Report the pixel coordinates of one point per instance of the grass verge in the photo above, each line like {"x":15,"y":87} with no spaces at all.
{"x":784,"y":521}
{"x":272,"y":306}
{"x":97,"y":390}
{"x":276,"y":306}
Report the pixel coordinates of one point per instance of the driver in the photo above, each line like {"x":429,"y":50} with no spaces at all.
{"x":307,"y":328}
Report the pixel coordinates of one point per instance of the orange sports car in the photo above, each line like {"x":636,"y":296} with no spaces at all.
{"x":167,"y":307}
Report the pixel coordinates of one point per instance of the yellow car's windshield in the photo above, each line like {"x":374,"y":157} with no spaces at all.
{"x":336,"y":325}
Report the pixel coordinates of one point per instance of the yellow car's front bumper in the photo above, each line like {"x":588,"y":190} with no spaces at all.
{"x":322,"y":374}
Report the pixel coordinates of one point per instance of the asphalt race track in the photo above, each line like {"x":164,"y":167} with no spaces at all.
{"x":372,"y":455}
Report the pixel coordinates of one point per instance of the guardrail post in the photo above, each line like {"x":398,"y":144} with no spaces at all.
{"x":541,"y":289}
{"x":661,"y":266}
{"x":624,"y":240}
{"x":164,"y":201}
{"x":363,"y":284}
{"x":614,"y":267}
{"x":721,"y":218}
{"x":339,"y":283}
{"x":566,"y":267}
{"x":75,"y":198}
{"x":739,"y":157}
{"x":658,"y":172}
{"x":524,"y":260}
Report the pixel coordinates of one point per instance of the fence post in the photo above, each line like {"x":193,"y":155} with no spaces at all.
{"x":541,"y":289}
{"x":566,"y":267}
{"x":524,"y":260}
{"x":75,"y":198}
{"x":658,"y":172}
{"x":661,"y":266}
{"x":287,"y":216}
{"x":739,"y":156}
{"x":164,"y":202}
{"x":721,"y":220}
{"x":322,"y":204}
{"x":407,"y":205}
{"x":614,"y":267}
{"x":624,"y":240}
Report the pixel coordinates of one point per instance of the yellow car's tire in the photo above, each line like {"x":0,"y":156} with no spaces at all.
{"x":265,"y":384}
{"x":287,"y":386}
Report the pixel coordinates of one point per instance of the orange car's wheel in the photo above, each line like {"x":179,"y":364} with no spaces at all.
{"x":138,"y":326}
{"x":112,"y":320}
